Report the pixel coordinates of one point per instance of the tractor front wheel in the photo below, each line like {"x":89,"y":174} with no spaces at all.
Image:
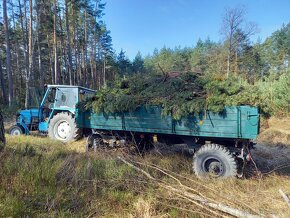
{"x":63,"y":127}
{"x":16,"y":130}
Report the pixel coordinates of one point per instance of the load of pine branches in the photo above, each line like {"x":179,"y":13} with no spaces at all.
{"x":179,"y":94}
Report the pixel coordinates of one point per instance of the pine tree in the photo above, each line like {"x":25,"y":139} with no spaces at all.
{"x":8,"y":53}
{"x":138,"y":64}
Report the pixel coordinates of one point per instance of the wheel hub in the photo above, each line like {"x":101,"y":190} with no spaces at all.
{"x":15,"y":132}
{"x":63,"y":129}
{"x":214,"y":167}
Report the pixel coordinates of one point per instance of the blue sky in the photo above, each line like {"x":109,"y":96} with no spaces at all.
{"x":142,"y":25}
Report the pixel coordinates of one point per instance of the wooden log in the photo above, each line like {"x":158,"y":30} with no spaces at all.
{"x":285,"y":197}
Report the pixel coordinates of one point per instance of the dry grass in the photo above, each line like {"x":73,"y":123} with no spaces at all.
{"x":275,"y":131}
{"x":144,"y":208}
{"x":256,"y":195}
{"x":281,"y":123}
{"x":41,"y":177}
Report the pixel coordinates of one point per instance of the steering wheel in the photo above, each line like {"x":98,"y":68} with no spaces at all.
{"x":46,"y":111}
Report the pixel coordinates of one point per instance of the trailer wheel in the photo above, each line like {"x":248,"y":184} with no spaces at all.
{"x":16,"y":130}
{"x":214,"y":160}
{"x":63,"y":127}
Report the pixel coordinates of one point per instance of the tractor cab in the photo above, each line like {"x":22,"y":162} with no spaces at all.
{"x":57,"y":99}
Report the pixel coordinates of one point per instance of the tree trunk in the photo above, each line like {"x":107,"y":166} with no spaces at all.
{"x":41,"y":73}
{"x":63,"y":75}
{"x":228,"y":65}
{"x":8,"y":54}
{"x":92,"y":65}
{"x":2,"y":132}
{"x":100,"y":67}
{"x":94,"y":72}
{"x":236,"y":63}
{"x":56,"y":72}
{"x":30,"y":52}
{"x":50,"y":59}
{"x":85,"y":50}
{"x":16,"y":74}
{"x":79,"y":61}
{"x":104,"y":71}
{"x":24,"y":38}
{"x":70,"y":65}
{"x":18,"y":77}
{"x":76,"y":79}
{"x":4,"y":94}
{"x":83,"y":80}
{"x":229,"y":56}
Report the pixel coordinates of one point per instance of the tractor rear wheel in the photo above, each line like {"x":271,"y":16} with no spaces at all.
{"x":213,"y":160}
{"x":16,"y":130}
{"x":63,"y":127}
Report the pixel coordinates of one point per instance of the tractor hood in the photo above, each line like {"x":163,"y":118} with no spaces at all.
{"x":27,"y":114}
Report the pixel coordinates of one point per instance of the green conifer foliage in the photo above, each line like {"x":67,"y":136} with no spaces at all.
{"x":181,"y":94}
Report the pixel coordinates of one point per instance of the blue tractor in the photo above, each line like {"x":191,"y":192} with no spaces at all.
{"x":55,"y":115}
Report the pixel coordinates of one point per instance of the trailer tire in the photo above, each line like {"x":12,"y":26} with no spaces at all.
{"x":213,"y":160}
{"x":63,"y":127}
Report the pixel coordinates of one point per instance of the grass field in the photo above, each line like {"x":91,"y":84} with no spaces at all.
{"x":41,"y":178}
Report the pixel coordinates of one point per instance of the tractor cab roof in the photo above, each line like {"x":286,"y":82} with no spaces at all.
{"x":68,"y":86}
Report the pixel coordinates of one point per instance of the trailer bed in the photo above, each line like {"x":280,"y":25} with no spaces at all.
{"x":240,"y":122}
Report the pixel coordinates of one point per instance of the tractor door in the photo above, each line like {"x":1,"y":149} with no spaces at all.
{"x":47,"y":104}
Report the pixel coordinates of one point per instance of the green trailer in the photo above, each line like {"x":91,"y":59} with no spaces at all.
{"x":219,"y":140}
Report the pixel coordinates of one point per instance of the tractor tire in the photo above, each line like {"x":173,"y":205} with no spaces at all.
{"x":216,"y":161}
{"x":16,"y":130}
{"x":63,"y":127}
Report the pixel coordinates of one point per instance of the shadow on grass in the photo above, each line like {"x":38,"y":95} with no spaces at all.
{"x":271,"y":159}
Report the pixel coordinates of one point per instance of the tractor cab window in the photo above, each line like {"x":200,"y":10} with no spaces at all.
{"x":85,"y":94}
{"x":65,"y":98}
{"x":50,"y":99}
{"x":51,"y":96}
